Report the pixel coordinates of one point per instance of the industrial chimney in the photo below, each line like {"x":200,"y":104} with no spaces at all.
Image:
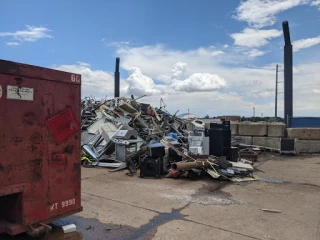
{"x":288,"y":72}
{"x":117,"y":79}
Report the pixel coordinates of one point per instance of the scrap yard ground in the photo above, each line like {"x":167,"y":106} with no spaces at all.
{"x":117,"y":206}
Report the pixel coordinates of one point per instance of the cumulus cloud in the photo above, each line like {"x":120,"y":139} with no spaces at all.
{"x":116,"y":44}
{"x":259,"y":94}
{"x":216,"y":53}
{"x":225,"y":46}
{"x":195,"y":82}
{"x":31,"y":34}
{"x":305,"y":43}
{"x":240,"y":79}
{"x":250,"y":37}
{"x":179,"y":70}
{"x":199,"y":82}
{"x":316,"y":3}
{"x":262,"y":13}
{"x":255,"y":53}
{"x":140,"y":84}
{"x":97,"y":83}
{"x":12,"y":43}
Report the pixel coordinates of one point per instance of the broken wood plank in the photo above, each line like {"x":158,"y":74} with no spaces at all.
{"x":271,"y":210}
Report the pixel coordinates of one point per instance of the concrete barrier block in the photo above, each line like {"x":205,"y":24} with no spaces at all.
{"x":253,"y":129}
{"x":304,"y":133}
{"x":234,"y":128}
{"x":269,"y":142}
{"x":307,"y":146}
{"x":276,"y":129}
{"x":244,"y":139}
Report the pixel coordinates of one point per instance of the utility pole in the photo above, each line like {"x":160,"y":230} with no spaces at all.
{"x":277,"y":93}
{"x":254,"y":113}
{"x":288,"y":72}
{"x":276,"y":100}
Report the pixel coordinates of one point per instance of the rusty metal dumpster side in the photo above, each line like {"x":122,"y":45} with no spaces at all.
{"x":40,"y":177}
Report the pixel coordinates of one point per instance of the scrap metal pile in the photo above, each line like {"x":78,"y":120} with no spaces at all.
{"x":123,"y":133}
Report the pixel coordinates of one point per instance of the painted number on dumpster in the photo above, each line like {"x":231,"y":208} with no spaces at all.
{"x":63,"y":204}
{"x":75,"y":78}
{"x":68,"y":203}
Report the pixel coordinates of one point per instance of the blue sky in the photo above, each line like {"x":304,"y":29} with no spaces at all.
{"x":213,"y":57}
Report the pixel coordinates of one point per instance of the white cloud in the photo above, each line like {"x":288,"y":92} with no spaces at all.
{"x":260,"y":94}
{"x":195,"y":82}
{"x":12,"y":43}
{"x":216,"y":53}
{"x":139,"y":84}
{"x":116,"y":44}
{"x":237,"y":98}
{"x":97,"y":83}
{"x":316,"y":3}
{"x":250,"y":37}
{"x":31,"y":34}
{"x":255,"y":53}
{"x":177,"y":81}
{"x":179,"y":71}
{"x":262,"y":13}
{"x":83,"y":64}
{"x":199,"y":82}
{"x":305,"y":43}
{"x":239,"y":79}
{"x":225,"y":46}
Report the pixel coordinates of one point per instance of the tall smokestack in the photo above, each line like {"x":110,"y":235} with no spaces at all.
{"x":288,"y":72}
{"x":117,"y":79}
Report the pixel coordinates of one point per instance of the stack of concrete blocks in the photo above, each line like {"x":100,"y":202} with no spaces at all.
{"x":307,"y":140}
{"x":259,"y":134}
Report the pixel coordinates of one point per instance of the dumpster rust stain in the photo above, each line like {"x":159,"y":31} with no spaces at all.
{"x":36,"y":138}
{"x":16,"y":140}
{"x":68,"y":149}
{"x":18,"y":81}
{"x":28,"y":118}
{"x":76,"y":167}
{"x":36,"y":168}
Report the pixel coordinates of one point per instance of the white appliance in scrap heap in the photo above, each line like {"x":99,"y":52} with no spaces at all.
{"x":125,"y":144}
{"x":195,"y":137}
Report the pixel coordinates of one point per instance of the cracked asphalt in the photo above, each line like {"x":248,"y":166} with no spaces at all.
{"x":117,"y":206}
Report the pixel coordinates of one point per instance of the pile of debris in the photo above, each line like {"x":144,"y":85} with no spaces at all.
{"x":124,"y":133}
{"x":88,"y":111}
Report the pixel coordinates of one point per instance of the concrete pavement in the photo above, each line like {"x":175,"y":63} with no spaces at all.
{"x":208,"y":209}
{"x":117,"y":206}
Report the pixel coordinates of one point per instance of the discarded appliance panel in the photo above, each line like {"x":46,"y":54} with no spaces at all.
{"x":287,"y":146}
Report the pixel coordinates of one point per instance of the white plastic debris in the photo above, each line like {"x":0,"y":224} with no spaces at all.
{"x":69,"y":228}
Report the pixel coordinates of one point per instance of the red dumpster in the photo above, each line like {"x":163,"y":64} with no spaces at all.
{"x":39,"y":146}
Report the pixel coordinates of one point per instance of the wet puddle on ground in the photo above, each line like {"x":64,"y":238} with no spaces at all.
{"x":92,"y":229}
{"x":87,"y":229}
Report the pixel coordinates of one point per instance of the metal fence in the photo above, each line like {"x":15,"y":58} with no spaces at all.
{"x":305,"y":122}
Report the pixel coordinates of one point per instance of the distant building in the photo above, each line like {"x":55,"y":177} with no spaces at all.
{"x":230,"y":118}
{"x":188,"y":116}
